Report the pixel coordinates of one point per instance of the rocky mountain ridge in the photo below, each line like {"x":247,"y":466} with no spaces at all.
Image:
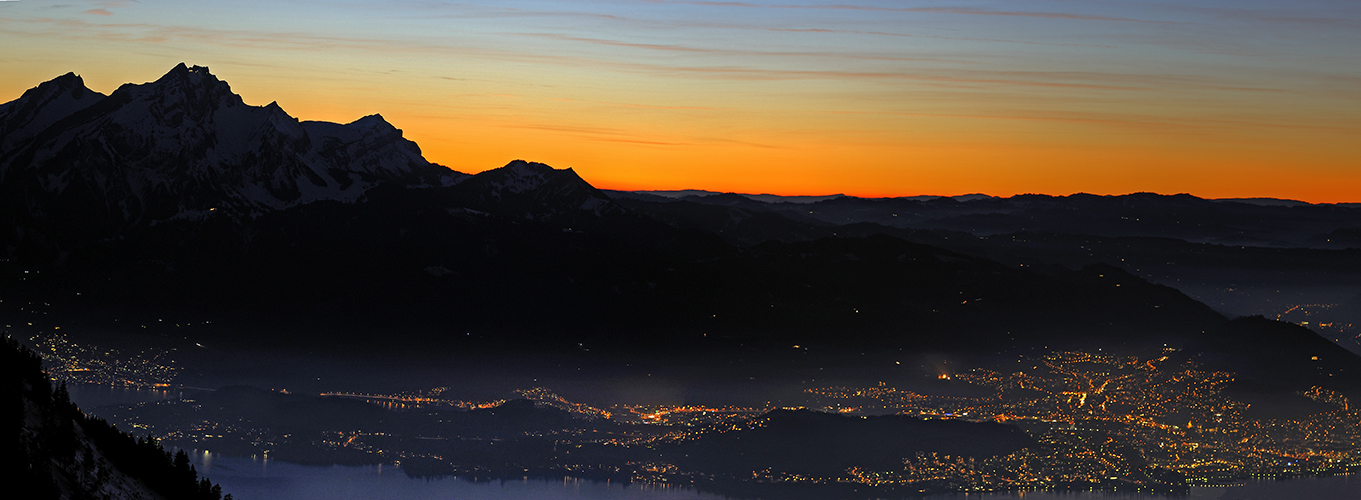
{"x":182,"y":147}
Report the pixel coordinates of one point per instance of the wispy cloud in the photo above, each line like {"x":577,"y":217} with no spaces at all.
{"x":734,"y":52}
{"x":641,"y":106}
{"x":1164,"y":125}
{"x":599,"y":134}
{"x":105,"y":5}
{"x":738,"y":71}
{"x":928,"y":10}
{"x":938,"y":37}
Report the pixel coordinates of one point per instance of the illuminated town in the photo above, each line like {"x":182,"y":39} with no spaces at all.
{"x":1156,"y":424}
{"x":1112,"y":420}
{"x":87,"y":364}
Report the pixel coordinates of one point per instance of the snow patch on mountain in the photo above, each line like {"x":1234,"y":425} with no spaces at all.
{"x":521,"y":176}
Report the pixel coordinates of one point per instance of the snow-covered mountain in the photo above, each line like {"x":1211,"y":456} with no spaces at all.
{"x":185,"y":146}
{"x":534,"y":191}
{"x":42,"y":106}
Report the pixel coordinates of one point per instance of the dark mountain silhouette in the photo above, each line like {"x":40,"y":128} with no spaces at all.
{"x":42,"y":106}
{"x":534,"y":191}
{"x":1242,"y":257}
{"x":175,"y":196}
{"x":1281,"y":354}
{"x":1181,"y":216}
{"x":77,"y":167}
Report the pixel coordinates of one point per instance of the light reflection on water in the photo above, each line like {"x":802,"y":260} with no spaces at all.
{"x":260,"y":479}
{"x":91,"y":397}
{"x":257,"y":479}
{"x":1340,"y":487}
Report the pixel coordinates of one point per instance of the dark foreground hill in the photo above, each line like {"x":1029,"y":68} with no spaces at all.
{"x":55,"y":451}
{"x":1279,"y":353}
{"x":1234,"y":222}
{"x":1241,"y":257}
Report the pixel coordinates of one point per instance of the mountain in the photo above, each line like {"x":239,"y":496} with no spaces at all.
{"x":1242,"y":257}
{"x":174,"y":198}
{"x":534,"y":191}
{"x":42,"y":106}
{"x":78,"y":166}
{"x":1256,"y":222}
{"x":1279,"y":353}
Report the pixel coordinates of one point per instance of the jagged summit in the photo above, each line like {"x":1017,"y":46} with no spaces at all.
{"x":520,"y":175}
{"x":183,"y":146}
{"x":536,"y":190}
{"x":183,"y":93}
{"x":371,"y":121}
{"x":41,"y":106}
{"x":192,"y":76}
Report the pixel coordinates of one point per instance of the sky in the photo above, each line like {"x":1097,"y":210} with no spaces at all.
{"x":1217,"y":98}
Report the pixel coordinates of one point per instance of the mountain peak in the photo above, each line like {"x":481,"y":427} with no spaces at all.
{"x":192,"y":87}
{"x":520,"y":172}
{"x":70,"y":80}
{"x":185,"y":144}
{"x":41,"y":106}
{"x":182,"y":68}
{"x":196,"y":75}
{"x":536,"y":190}
{"x":522,"y":167}
{"x":69,"y":83}
{"x":373,"y":121}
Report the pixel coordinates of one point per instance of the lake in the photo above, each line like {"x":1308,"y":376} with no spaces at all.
{"x":258,"y":479}
{"x":91,"y":397}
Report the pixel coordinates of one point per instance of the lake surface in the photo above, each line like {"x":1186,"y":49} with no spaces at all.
{"x":92,"y":397}
{"x":257,"y":479}
{"x":1341,"y":487}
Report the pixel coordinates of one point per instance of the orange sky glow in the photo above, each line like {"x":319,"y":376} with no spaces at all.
{"x":1223,"y":99}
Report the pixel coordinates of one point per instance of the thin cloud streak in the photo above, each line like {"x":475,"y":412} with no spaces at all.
{"x":644,"y":106}
{"x":938,"y":37}
{"x":929,"y":10}
{"x":733,"y":52}
{"x":151,"y":33}
{"x":1170,"y":126}
{"x":634,"y":85}
{"x":597,"y":134}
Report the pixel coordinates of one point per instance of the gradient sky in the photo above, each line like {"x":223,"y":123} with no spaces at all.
{"x":873,"y":98}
